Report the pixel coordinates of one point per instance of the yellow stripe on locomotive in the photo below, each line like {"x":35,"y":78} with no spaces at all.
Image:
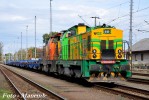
{"x":106,"y":38}
{"x":94,"y":42}
{"x":92,"y":53}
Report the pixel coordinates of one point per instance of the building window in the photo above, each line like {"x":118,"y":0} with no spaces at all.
{"x":135,"y":57}
{"x":141,"y":56}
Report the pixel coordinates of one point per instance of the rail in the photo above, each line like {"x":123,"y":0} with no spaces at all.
{"x":138,"y":80}
{"x":18,"y":93}
{"x":130,"y":92}
{"x":39,"y":87}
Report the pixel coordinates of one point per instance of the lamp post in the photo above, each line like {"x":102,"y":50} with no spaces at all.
{"x":21,"y":45}
{"x":35,"y":37}
{"x":26,"y":42}
{"x":50,"y":16}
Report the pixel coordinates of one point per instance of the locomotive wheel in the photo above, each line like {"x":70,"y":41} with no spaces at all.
{"x":77,"y":73}
{"x":42,"y":68}
{"x":49,"y":68}
{"x":72,"y":73}
{"x":60,"y":70}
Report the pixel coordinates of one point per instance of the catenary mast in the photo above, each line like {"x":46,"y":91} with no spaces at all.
{"x":130,"y":32}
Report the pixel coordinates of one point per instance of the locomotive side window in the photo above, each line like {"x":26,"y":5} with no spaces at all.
{"x":73,"y":32}
{"x":89,"y":42}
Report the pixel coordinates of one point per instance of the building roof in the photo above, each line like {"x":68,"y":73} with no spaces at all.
{"x":142,"y":45}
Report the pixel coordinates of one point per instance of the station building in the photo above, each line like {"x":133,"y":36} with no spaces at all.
{"x":140,"y":53}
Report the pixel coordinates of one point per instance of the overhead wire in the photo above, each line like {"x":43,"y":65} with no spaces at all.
{"x":118,"y":5}
{"x":107,"y":9}
{"x":142,"y":30}
{"x":119,"y":10}
{"x":128,"y":14}
{"x":138,"y":4}
{"x":83,"y":20}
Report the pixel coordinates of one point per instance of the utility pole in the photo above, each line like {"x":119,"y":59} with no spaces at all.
{"x":27,"y":42}
{"x":95,"y":19}
{"x":130,"y":33}
{"x":50,"y":16}
{"x":35,"y":37}
{"x":17,"y":46}
{"x":21,"y":45}
{"x":15,"y":57}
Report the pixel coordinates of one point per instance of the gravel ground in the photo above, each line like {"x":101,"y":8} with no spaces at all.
{"x":140,"y":86}
{"x":145,"y":71}
{"x":4,"y":88}
{"x":25,"y":88}
{"x":142,"y":77}
{"x":71,"y":91}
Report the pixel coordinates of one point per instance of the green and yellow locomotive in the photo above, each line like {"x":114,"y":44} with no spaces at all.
{"x":94,"y":53}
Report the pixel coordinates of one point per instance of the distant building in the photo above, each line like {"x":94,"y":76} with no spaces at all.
{"x":140,"y":53}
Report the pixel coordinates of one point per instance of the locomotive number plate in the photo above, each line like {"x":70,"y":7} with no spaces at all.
{"x":107,"y":61}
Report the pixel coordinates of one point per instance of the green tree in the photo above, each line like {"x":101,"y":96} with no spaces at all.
{"x":31,"y":52}
{"x":23,"y":54}
{"x":47,"y":36}
{"x":8,"y":56}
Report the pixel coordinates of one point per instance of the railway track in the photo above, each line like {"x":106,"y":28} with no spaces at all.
{"x":140,"y":74}
{"x":25,"y":88}
{"x":125,"y":91}
{"x":138,"y":80}
{"x":13,"y":87}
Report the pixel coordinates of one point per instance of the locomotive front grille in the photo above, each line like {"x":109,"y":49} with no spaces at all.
{"x":107,"y":50}
{"x":107,"y":54}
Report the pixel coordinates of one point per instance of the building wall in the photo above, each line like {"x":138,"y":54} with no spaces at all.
{"x":140,"y":58}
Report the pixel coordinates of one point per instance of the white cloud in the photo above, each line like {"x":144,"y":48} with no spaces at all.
{"x":11,"y":5}
{"x":16,"y":14}
{"x":12,"y":18}
{"x":17,"y":18}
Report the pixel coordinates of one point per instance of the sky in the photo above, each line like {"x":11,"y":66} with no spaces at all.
{"x":15,"y":15}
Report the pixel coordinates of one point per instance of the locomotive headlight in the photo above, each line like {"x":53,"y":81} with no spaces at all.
{"x":119,"y":56}
{"x":94,"y":56}
{"x":119,"y":51}
{"x":94,"y":51}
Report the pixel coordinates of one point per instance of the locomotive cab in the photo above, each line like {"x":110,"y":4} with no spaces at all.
{"x":107,"y":51}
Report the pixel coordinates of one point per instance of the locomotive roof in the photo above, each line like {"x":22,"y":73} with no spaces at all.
{"x":141,"y":45}
{"x":78,"y":25}
{"x":56,"y":35}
